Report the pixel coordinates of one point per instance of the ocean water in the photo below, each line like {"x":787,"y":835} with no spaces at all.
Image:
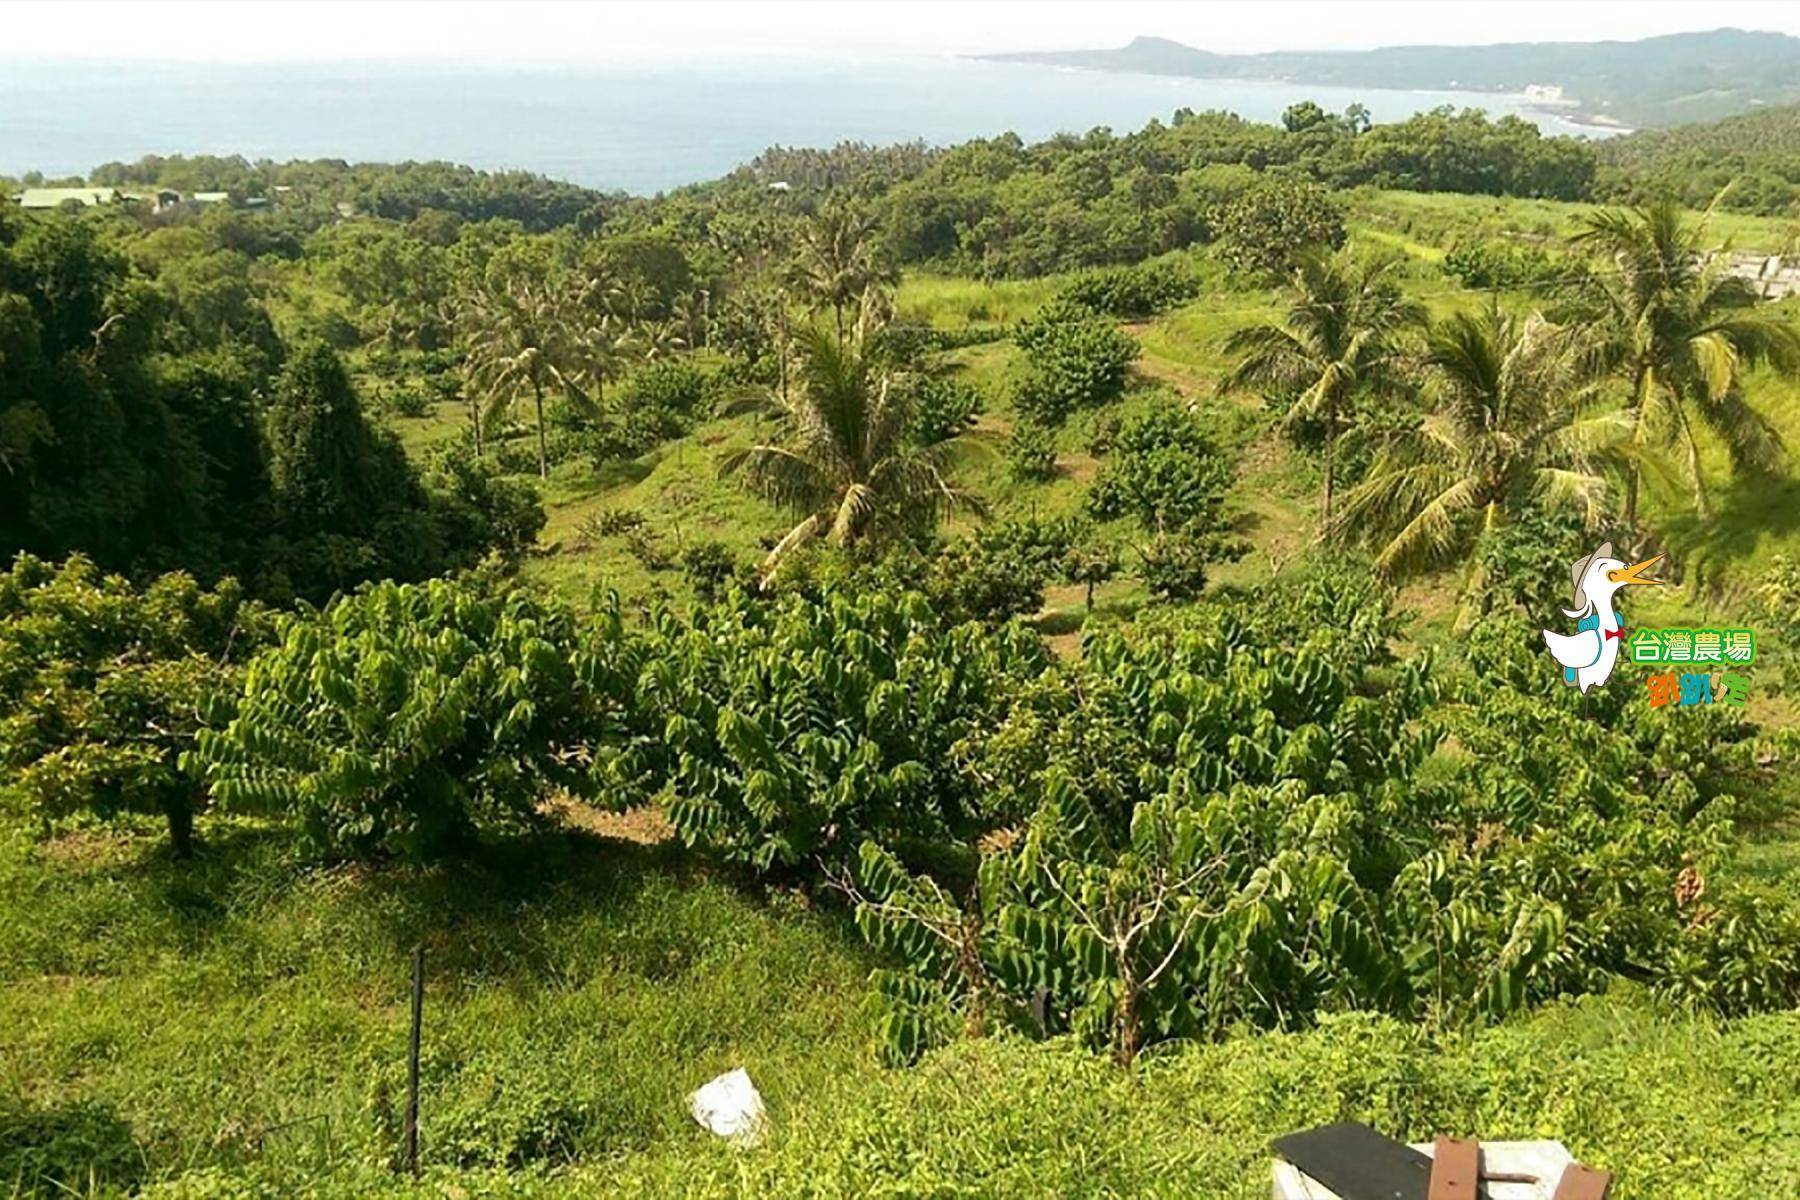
{"x":639,"y":128}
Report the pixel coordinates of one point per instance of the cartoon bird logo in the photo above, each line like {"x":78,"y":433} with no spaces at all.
{"x":1589,"y":654}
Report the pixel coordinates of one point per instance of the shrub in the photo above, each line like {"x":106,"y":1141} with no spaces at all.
{"x":999,"y":571}
{"x":673,"y":387}
{"x":1264,"y":228}
{"x":1031,"y":453}
{"x":477,"y":507}
{"x":794,"y":730}
{"x":1133,"y":292}
{"x":648,"y":548}
{"x":1509,"y":265}
{"x":406,"y":402}
{"x":1090,"y":564}
{"x":709,"y":567}
{"x":610,"y":522}
{"x":102,"y":684}
{"x":406,"y":718}
{"x":942,"y":409}
{"x":1173,"y":564}
{"x":1075,"y":361}
{"x":1165,"y":471}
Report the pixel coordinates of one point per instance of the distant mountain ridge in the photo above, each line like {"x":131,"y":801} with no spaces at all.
{"x":1655,"y":82}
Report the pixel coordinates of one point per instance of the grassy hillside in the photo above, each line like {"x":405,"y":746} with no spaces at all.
{"x":682,"y":496}
{"x":236,"y":1025}
{"x":1756,"y":154}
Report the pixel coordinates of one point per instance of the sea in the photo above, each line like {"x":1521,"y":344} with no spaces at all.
{"x":639,"y":127}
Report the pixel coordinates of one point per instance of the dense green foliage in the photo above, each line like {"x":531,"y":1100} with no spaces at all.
{"x":399,"y":192}
{"x":407,"y":719}
{"x":1510,"y":266}
{"x":794,"y":731}
{"x":1131,"y":293}
{"x":1230,"y":819}
{"x":1164,"y":470}
{"x":103,"y":686}
{"x":1751,"y":162}
{"x":1273,"y":223}
{"x":1075,"y":359}
{"x":129,"y":436}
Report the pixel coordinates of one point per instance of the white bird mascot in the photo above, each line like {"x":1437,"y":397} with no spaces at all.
{"x":1589,"y":654}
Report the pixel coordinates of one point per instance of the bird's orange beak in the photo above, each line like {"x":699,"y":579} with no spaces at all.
{"x":1635,"y":572}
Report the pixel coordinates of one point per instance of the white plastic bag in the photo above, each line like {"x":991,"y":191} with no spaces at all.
{"x":730,"y":1107}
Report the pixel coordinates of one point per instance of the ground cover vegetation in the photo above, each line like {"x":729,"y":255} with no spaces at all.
{"x":1049,"y":620}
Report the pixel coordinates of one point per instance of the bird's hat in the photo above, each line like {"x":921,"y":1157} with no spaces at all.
{"x":1579,"y":572}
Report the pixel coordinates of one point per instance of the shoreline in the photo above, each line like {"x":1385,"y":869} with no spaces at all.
{"x":1571,"y":112}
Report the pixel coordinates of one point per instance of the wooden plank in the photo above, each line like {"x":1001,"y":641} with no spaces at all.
{"x":1583,"y":1183}
{"x":1357,"y":1163}
{"x":1455,"y":1169}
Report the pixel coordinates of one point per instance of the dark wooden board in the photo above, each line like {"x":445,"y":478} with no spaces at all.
{"x":1357,"y":1163}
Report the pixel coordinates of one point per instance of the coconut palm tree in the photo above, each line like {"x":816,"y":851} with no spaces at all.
{"x":1681,"y":330}
{"x":605,"y":340}
{"x":839,"y":261}
{"x":521,"y":343}
{"x":694,"y":313}
{"x":1341,"y":338}
{"x":845,"y":463}
{"x":657,"y":340}
{"x":1509,"y":424}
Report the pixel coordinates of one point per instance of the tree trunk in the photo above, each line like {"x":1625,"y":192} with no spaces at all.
{"x":1636,"y":407}
{"x":1330,"y":462}
{"x":537,"y":397}
{"x":1090,"y":596}
{"x":181,"y":825}
{"x":968,"y":955}
{"x":1129,"y":1021}
{"x":781,"y":351}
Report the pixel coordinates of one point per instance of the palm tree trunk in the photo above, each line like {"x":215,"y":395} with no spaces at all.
{"x":1330,"y":461}
{"x":781,"y":351}
{"x":1702,"y":502}
{"x":1636,"y":409}
{"x":537,"y":398}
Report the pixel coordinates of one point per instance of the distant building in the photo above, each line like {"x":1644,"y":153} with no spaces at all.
{"x":59,"y":196}
{"x":154,"y":199}
{"x":1546,"y":93}
{"x":212,"y":197}
{"x":781,"y":185}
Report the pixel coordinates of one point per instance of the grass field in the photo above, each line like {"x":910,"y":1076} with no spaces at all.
{"x":237,"y":1026}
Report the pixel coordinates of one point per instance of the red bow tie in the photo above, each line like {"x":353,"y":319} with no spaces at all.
{"x":1613,"y":633}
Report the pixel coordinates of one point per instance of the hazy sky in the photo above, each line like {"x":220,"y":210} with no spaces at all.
{"x":527,"y":30}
